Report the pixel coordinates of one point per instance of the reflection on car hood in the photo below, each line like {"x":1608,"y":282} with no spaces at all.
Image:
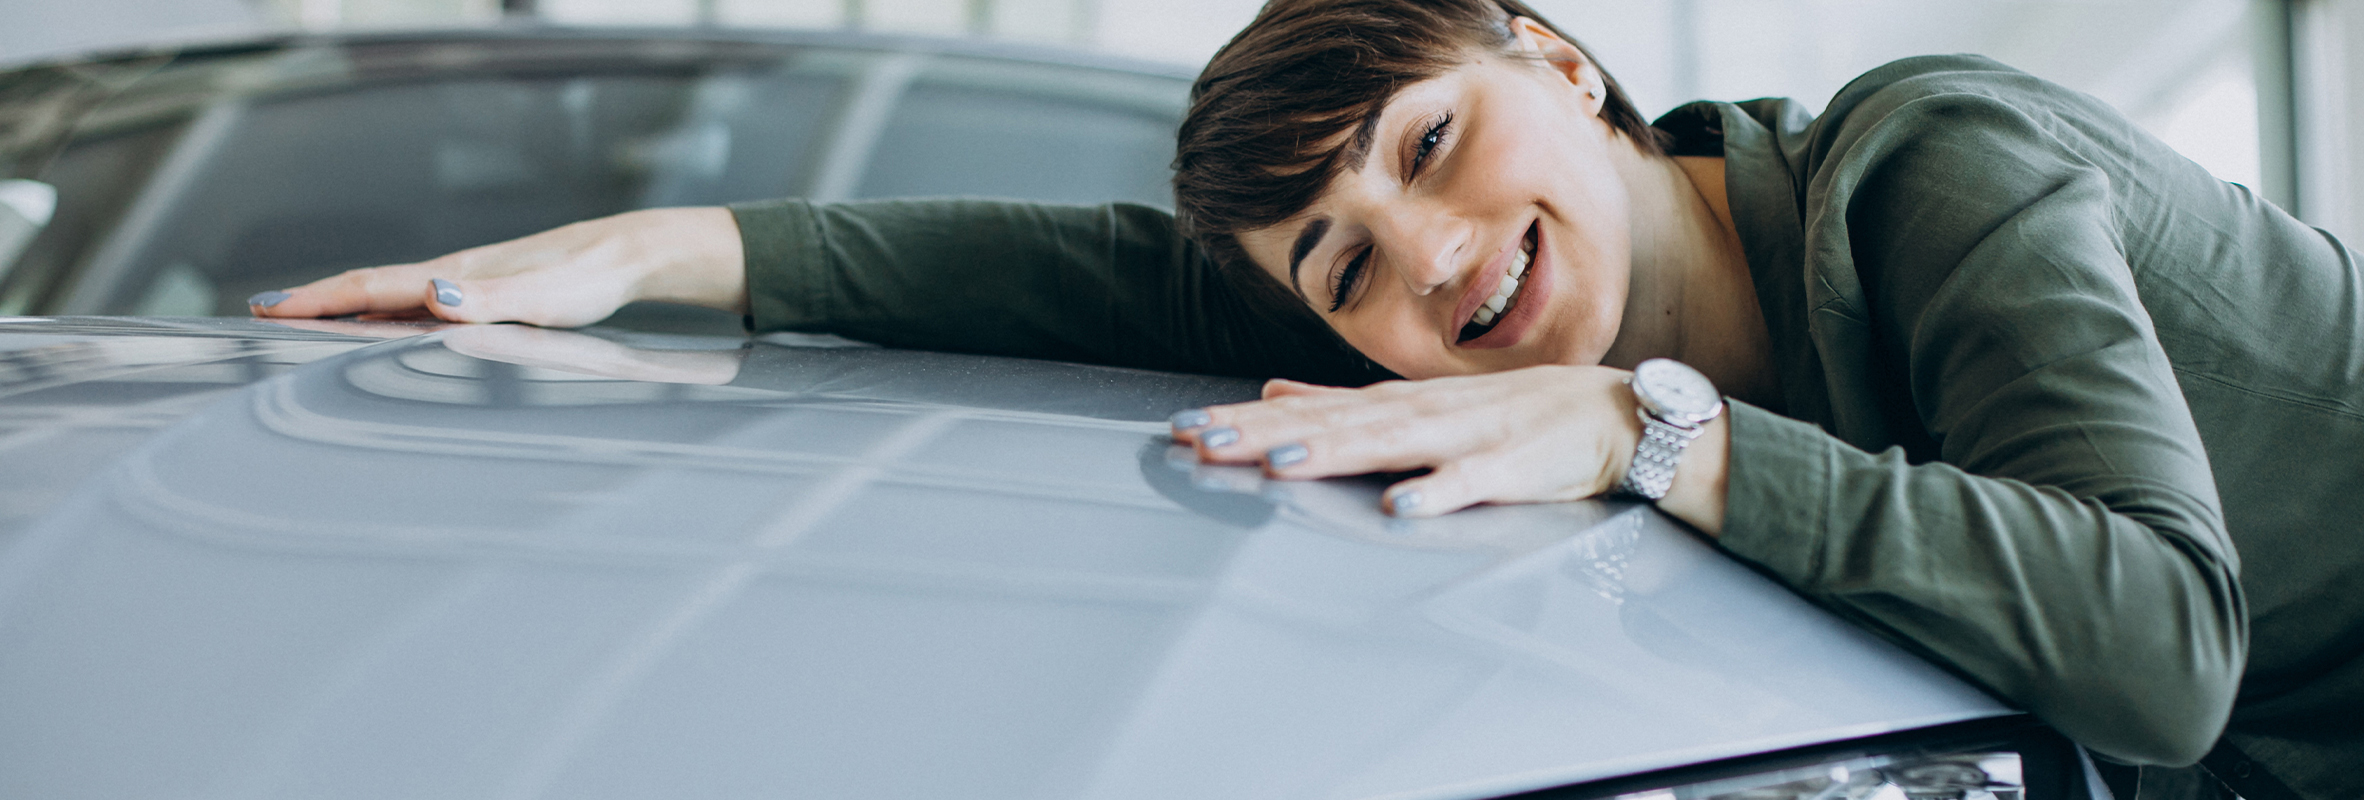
{"x":307,"y":564}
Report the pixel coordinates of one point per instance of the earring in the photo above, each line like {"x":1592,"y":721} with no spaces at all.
{"x":1593,"y":93}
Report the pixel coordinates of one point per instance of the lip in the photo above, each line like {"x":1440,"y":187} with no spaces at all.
{"x":1534,"y":289}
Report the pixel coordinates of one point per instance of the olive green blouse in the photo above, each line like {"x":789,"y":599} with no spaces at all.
{"x":2060,"y":409}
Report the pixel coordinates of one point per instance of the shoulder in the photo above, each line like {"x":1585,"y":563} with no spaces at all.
{"x":1928,"y":167}
{"x":1955,"y":112}
{"x":1964,"y":136}
{"x":1965,"y":78}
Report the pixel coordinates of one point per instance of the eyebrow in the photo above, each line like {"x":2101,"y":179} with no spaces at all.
{"x":1353,"y":157}
{"x":1358,"y":149}
{"x":1306,"y":239}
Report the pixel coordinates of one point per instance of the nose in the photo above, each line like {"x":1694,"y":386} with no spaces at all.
{"x":1425,"y":244}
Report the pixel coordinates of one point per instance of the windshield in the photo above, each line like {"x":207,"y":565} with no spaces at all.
{"x":215,"y":177}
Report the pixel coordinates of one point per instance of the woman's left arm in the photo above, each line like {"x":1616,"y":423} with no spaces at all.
{"x":1534,"y":435}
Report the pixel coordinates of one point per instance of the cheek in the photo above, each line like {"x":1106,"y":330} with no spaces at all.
{"x":1589,"y":247}
{"x":1593,"y":264}
{"x":1396,"y":336}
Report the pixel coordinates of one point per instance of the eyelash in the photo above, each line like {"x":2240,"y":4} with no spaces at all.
{"x":1431,"y":138}
{"x":1347,"y":278}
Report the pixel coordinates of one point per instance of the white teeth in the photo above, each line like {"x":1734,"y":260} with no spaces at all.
{"x":1499,"y":303}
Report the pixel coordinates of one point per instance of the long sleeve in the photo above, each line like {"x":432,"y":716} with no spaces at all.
{"x":1113,"y":284}
{"x":2046,"y":521}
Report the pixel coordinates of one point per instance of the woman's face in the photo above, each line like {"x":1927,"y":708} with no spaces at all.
{"x":1469,"y":176}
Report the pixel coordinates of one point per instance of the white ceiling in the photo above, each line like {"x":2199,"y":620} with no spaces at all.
{"x":2182,"y":68}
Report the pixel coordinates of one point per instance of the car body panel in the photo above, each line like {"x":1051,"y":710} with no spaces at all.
{"x":313,"y":564}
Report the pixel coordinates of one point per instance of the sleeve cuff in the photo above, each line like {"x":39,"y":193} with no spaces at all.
{"x":786,"y":269}
{"x":1777,"y":492}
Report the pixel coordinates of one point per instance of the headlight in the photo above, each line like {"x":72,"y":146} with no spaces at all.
{"x":1968,"y":776}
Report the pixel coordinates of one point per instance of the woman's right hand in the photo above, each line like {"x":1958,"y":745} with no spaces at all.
{"x":565,"y":277}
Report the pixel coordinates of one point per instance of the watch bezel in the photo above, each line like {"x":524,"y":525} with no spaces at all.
{"x":1652,"y":388}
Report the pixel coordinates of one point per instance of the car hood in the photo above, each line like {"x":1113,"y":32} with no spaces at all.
{"x":240,"y":559}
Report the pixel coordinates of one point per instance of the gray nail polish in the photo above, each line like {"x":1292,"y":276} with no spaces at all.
{"x":446,"y":292}
{"x":267,"y":299}
{"x":1403,"y":503}
{"x":1285,"y":455}
{"x":1191,"y":418}
{"x":1219,"y":437}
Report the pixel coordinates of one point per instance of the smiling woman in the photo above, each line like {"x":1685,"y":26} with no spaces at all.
{"x":1970,"y":358}
{"x":1506,"y":145}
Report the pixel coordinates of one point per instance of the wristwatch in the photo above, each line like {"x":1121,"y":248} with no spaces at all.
{"x":1676,"y":404}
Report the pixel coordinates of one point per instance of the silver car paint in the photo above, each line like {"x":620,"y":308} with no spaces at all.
{"x":325,"y":566}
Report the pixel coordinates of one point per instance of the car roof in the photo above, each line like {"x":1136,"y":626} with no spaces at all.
{"x":613,"y":36}
{"x":273,"y":561}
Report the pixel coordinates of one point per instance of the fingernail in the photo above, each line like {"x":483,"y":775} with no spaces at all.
{"x":1285,"y":455}
{"x":267,"y":299}
{"x":1403,"y":503}
{"x":1191,"y":419}
{"x":1219,"y":437}
{"x":446,"y":292}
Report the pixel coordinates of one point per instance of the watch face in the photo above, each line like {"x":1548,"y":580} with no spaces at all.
{"x":1676,"y":391}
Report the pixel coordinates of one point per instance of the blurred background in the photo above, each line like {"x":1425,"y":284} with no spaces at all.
{"x":2262,"y":92}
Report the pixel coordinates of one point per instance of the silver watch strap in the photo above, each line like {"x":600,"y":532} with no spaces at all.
{"x":1654,"y":459}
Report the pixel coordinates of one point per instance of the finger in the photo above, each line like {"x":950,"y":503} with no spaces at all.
{"x":546,"y":298}
{"x":1391,"y":445}
{"x":1380,"y":428}
{"x":1293,"y":415}
{"x":374,"y":290}
{"x":1219,"y":436}
{"x":1224,"y":444}
{"x":447,"y":299}
{"x":1189,"y":422}
{"x":1492,"y":476}
{"x":1195,"y":426}
{"x":1448,"y":489}
{"x":1283,"y":387}
{"x":1241,"y":433}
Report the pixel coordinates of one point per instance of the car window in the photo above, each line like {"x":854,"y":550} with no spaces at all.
{"x":977,"y":128}
{"x":258,"y":191}
{"x":311,"y":185}
{"x":96,"y":179}
{"x":226,"y":175}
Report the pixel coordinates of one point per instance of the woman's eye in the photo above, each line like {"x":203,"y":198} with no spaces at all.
{"x":1342,"y":287}
{"x":1430,"y":139}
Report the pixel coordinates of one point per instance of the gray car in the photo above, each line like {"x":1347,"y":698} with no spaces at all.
{"x":348,"y":559}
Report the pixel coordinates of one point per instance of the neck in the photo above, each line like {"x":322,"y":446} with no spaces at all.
{"x":1691,"y":297}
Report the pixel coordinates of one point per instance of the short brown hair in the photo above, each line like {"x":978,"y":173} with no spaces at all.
{"x":1266,"y":132}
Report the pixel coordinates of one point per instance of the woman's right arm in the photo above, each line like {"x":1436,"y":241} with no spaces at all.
{"x":1110,"y":284}
{"x":564,"y":277}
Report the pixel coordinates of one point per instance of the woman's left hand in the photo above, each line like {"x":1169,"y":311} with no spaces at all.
{"x":1540,"y":434}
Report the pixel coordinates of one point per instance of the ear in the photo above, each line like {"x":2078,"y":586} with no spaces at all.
{"x":1534,"y":39}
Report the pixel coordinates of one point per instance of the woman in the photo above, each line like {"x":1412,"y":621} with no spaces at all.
{"x":2010,"y":381}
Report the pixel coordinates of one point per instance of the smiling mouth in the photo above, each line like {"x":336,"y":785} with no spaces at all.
{"x":1506,"y":296}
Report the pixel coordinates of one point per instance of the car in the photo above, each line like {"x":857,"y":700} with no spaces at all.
{"x":346,"y":558}
{"x":191,"y":180}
